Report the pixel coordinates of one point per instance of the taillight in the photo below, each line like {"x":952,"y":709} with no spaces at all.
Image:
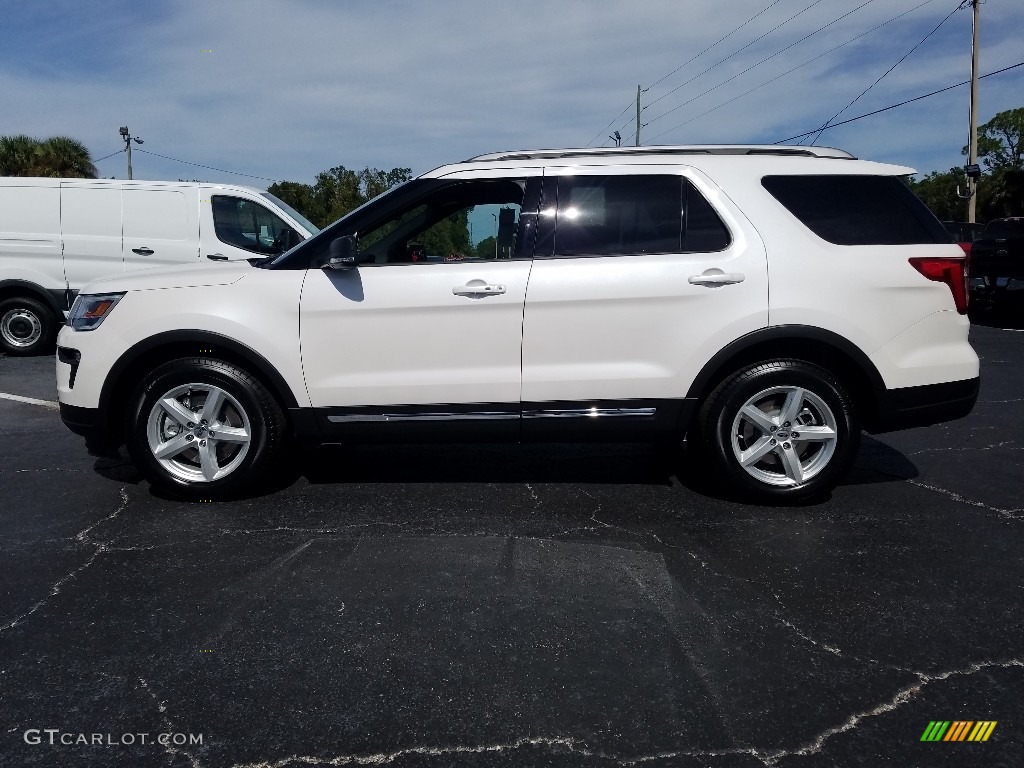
{"x":951,"y":271}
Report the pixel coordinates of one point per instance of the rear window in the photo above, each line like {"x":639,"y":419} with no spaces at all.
{"x":1004,"y":229}
{"x":858,"y":210}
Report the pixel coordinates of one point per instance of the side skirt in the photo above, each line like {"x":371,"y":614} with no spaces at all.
{"x":561,"y":421}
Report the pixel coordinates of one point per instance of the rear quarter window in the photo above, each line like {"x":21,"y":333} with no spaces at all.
{"x":858,"y":210}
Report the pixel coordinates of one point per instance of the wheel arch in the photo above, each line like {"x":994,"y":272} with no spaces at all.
{"x":147,"y":354}
{"x":13,"y":288}
{"x":813,"y":345}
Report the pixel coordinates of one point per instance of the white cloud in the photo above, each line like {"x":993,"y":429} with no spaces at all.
{"x":294,"y":88}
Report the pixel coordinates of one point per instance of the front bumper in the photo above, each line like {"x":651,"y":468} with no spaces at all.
{"x":81,"y":421}
{"x":909,"y":407}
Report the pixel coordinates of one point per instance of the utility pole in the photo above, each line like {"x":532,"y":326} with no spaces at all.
{"x":638,"y":92}
{"x":972,"y":183}
{"x":128,"y":139}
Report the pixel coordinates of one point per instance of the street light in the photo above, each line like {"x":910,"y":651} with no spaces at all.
{"x":128,"y":139}
{"x":495,"y":216}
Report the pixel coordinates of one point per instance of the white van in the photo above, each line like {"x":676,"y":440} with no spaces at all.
{"x":56,"y":235}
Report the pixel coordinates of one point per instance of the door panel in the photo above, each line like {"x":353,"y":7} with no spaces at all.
{"x":161,"y":227}
{"x":400,"y":335}
{"x":606,"y":328}
{"x":91,"y":230}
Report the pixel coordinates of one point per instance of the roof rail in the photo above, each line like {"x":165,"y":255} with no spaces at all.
{"x":693,"y":149}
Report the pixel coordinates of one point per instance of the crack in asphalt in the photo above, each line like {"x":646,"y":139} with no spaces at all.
{"x":383,"y":758}
{"x":161,"y":706}
{"x":1009,"y":514}
{"x":82,"y":537}
{"x":766,"y":756}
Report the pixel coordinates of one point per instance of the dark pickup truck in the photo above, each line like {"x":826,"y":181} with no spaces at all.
{"x":997,"y":265}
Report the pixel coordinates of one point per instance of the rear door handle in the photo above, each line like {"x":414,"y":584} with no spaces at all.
{"x":143,"y":251}
{"x":717,"y":278}
{"x":478,"y":288}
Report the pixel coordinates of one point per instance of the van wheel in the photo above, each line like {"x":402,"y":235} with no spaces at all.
{"x":202,"y":428}
{"x":27,"y":326}
{"x":780,"y":431}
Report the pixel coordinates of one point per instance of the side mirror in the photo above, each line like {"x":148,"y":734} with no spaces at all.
{"x":342,"y":253}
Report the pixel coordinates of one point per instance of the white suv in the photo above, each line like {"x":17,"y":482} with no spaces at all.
{"x":767,"y":303}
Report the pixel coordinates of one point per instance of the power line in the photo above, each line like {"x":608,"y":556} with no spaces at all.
{"x":207,"y":167}
{"x":752,"y":42}
{"x":890,"y":69}
{"x":722,"y":40}
{"x":107,"y":157}
{"x":902,"y":103}
{"x":794,"y":69}
{"x":762,"y":61}
{"x":628,"y":107}
{"x":754,"y":66}
{"x":694,"y":58}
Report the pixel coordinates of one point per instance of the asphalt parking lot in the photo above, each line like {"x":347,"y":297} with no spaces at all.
{"x":514,"y":606}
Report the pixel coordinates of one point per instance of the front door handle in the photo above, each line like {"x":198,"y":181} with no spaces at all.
{"x":143,"y":251}
{"x":478,"y":288}
{"x":216,"y":257}
{"x":717,"y":278}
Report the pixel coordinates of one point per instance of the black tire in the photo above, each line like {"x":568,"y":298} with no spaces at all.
{"x":804,"y":462}
{"x":233,"y":466}
{"x":27,"y":327}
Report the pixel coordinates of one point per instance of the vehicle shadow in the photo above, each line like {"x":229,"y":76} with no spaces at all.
{"x":616,"y":464}
{"x":585,"y":463}
{"x":490,"y":463}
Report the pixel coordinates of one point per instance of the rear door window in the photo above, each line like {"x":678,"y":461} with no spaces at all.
{"x":645,"y":213}
{"x":858,"y":210}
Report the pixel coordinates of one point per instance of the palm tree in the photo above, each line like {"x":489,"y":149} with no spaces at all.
{"x":18,"y":155}
{"x":57,"y":157}
{"x":65,"y":157}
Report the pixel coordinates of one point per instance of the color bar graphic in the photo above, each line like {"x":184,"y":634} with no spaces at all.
{"x":959,"y":730}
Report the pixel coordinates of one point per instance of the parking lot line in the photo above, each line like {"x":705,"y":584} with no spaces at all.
{"x":30,"y":400}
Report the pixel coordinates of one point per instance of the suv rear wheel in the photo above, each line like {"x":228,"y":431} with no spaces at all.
{"x":781,"y":430}
{"x":201,"y":426}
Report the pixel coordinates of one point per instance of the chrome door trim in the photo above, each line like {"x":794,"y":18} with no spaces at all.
{"x":583,"y":413}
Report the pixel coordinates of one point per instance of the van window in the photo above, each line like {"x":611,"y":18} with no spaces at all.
{"x":248,"y":225}
{"x":155,"y":214}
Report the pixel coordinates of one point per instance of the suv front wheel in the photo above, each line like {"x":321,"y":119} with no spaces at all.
{"x":779,"y":431}
{"x":201,"y":426}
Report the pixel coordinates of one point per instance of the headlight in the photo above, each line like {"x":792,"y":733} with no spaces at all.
{"x":89,"y":311}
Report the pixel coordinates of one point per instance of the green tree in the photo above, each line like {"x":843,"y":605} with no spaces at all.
{"x":1001,"y":155}
{"x":337,"y":191}
{"x":486,"y":248}
{"x":938,"y":190}
{"x":448,"y":236}
{"x":56,"y":157}
{"x":999,"y":141}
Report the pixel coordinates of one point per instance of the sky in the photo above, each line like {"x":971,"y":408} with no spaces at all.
{"x":284,"y":90}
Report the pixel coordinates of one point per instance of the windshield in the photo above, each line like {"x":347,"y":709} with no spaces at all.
{"x":306,"y":223}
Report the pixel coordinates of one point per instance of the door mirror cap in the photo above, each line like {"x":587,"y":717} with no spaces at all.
{"x":342,"y":253}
